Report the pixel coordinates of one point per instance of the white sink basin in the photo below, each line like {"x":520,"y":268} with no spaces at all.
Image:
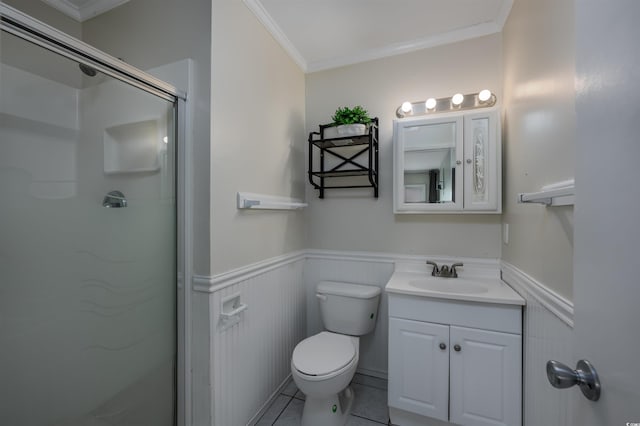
{"x":449,"y":285}
{"x":483,"y":289}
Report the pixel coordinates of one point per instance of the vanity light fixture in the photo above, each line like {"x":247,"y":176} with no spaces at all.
{"x":483,"y":99}
{"x":484,"y":95}
{"x":457,"y":99}
{"x":431,"y":103}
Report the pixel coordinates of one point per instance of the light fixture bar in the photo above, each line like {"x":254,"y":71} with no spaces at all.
{"x":470,"y":101}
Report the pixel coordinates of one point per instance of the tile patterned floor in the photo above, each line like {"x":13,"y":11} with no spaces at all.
{"x":369,"y":407}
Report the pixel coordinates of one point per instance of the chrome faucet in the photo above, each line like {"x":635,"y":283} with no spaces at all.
{"x":444,"y":271}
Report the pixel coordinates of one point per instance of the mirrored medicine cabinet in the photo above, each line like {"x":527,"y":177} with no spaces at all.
{"x":448,"y":163}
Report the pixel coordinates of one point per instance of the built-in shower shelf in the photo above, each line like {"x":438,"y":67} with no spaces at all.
{"x":132,"y":147}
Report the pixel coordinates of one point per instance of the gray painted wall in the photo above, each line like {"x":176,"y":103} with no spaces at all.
{"x":539,"y":137}
{"x":353,"y":219}
{"x":258,"y":115}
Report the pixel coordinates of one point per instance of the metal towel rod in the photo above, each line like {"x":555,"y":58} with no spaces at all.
{"x":556,"y":194}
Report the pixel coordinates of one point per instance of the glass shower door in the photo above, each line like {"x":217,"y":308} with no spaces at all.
{"x":87,"y":246}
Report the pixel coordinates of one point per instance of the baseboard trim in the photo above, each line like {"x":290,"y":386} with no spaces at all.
{"x":270,"y":400}
{"x":552,"y":301}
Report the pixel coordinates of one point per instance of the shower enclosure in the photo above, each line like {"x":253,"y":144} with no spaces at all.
{"x":88,"y":235}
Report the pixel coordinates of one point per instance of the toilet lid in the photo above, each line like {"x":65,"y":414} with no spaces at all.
{"x":323,"y":353}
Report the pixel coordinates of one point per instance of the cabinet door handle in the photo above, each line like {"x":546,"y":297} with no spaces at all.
{"x":457,"y":348}
{"x":443,"y":346}
{"x":469,"y":161}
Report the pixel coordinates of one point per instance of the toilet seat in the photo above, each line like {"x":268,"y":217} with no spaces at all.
{"x":323,"y":355}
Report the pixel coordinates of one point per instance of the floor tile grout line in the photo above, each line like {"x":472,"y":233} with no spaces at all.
{"x":371,"y":420}
{"x":282,"y":411}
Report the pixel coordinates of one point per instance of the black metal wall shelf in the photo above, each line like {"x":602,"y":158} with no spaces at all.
{"x":348,"y":162}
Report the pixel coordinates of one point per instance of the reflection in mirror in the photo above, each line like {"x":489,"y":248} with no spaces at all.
{"x":429,"y":163}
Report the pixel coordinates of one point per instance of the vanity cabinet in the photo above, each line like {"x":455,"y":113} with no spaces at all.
{"x":449,"y":163}
{"x":454,"y":361}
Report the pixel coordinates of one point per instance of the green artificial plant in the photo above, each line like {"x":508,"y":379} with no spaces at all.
{"x":355,"y":115}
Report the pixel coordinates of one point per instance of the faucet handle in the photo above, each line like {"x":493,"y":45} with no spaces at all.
{"x":454,"y":273}
{"x":435,"y":269}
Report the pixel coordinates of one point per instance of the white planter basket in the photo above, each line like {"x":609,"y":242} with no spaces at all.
{"x":352,"y":129}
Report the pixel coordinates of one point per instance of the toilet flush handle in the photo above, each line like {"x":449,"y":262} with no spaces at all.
{"x":321,"y":297}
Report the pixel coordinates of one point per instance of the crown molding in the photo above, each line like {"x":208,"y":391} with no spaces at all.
{"x":407,"y":47}
{"x":503,"y":14}
{"x":454,"y":36}
{"x":263,"y":16}
{"x":88,"y":11}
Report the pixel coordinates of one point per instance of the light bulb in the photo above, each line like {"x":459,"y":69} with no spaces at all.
{"x":430,"y":103}
{"x":406,"y":107}
{"x":484,"y":95}
{"x":457,"y":99}
{"x":165,"y":139}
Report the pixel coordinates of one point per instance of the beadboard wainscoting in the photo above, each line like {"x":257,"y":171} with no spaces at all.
{"x":548,"y":334}
{"x":250,"y":360}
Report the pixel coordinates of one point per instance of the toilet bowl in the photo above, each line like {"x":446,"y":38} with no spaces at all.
{"x":323,"y":365}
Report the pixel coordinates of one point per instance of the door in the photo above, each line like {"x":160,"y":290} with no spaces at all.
{"x":607,"y":211}
{"x":87,"y":245}
{"x":419,"y":367}
{"x":486,"y":368}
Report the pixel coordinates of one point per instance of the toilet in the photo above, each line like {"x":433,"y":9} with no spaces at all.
{"x":323,"y":365}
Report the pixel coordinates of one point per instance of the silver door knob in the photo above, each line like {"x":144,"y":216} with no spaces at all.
{"x":457,"y":348}
{"x":443,"y":346}
{"x":562,"y":376}
{"x":469,"y":161}
{"x":458,"y":162}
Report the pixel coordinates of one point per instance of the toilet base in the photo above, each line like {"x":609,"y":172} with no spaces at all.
{"x":329,"y":411}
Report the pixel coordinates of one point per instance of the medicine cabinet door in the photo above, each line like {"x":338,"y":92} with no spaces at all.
{"x":428,"y":164}
{"x":482,"y":172}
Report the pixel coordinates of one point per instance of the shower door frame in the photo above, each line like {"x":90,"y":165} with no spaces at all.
{"x":24,"y":26}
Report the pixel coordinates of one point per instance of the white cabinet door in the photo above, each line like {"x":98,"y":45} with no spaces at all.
{"x":482,"y":166}
{"x":419,"y":368}
{"x":486,"y":372}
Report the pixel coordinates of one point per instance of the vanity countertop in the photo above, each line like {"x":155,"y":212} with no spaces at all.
{"x":472,"y":289}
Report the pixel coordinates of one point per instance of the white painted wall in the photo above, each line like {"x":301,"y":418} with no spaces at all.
{"x":539,"y":137}
{"x":353,"y":219}
{"x":257,"y":144}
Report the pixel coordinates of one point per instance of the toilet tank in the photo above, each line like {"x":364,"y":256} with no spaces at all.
{"x":348,"y":308}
